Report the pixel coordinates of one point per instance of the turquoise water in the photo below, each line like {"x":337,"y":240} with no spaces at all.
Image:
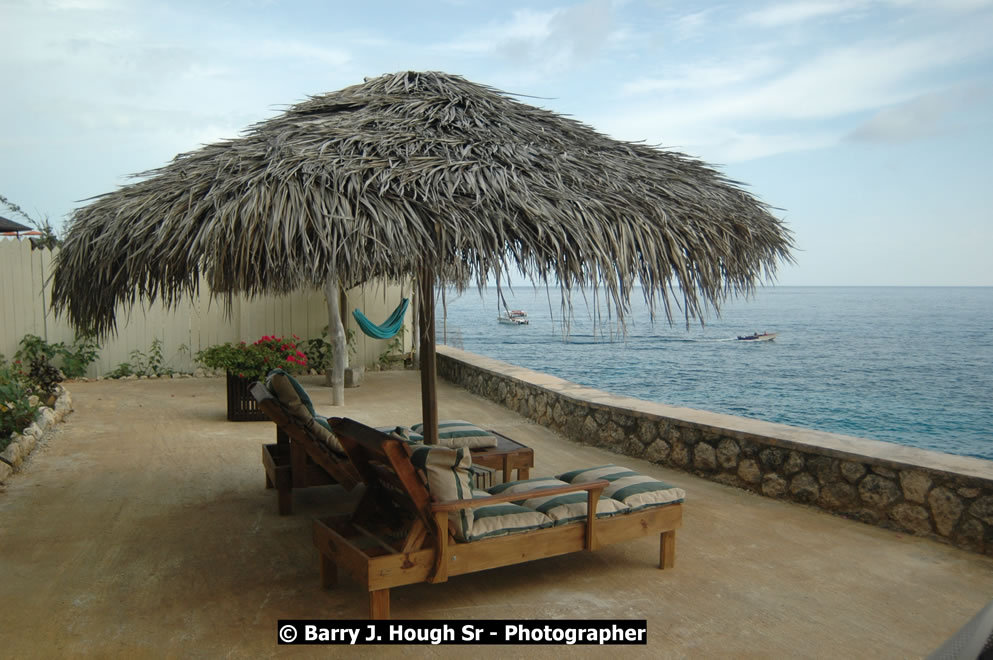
{"x":907,"y":365}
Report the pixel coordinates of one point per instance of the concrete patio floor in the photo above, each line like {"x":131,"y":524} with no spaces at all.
{"x":142,"y":528}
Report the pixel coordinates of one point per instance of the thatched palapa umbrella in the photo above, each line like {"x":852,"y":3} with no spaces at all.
{"x":425,"y":175}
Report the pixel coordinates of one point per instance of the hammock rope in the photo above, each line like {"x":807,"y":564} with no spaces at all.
{"x":387,"y":328}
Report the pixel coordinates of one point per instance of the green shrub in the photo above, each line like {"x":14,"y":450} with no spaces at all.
{"x":320,"y":351}
{"x":73,"y":360}
{"x":18,"y":404}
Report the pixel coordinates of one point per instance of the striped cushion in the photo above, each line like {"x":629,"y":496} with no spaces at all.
{"x":446,"y":473}
{"x":505,"y":518}
{"x":564,"y":508}
{"x":296,"y":402}
{"x":456,"y":433}
{"x":627,"y":486}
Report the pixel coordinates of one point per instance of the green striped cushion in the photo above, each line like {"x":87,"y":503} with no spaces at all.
{"x":456,"y":433}
{"x":505,"y":518}
{"x":446,"y":473}
{"x":627,"y":486}
{"x":295,"y":400}
{"x":564,"y":508}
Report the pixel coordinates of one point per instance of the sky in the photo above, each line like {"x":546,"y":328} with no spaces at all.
{"x":867,"y":124}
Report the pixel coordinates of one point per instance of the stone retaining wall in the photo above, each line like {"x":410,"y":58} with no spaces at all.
{"x":925,"y":493}
{"x":22,"y":444}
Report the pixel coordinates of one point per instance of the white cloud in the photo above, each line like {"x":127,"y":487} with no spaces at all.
{"x":705,"y":77}
{"x":542,"y":41}
{"x":798,"y":12}
{"x":927,"y":115}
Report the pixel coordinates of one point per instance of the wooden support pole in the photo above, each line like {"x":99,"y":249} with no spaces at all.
{"x":429,"y":366}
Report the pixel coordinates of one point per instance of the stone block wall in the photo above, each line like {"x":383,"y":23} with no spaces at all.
{"x":925,"y":493}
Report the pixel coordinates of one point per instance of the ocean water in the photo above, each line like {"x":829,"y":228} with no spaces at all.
{"x":912,"y":366}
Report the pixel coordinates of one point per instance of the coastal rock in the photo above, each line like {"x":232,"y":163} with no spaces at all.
{"x":749,"y":471}
{"x":878,"y":491}
{"x":591,"y":431}
{"x":884,"y":472}
{"x":773,"y":485}
{"x":983,"y":509}
{"x":970,"y":535}
{"x":946,"y":508}
{"x":824,"y":468}
{"x":727,"y":453}
{"x":772,"y":459}
{"x":794,"y":463}
{"x":680,"y":455}
{"x":804,"y":488}
{"x":704,"y":457}
{"x":915,"y":485}
{"x":852,"y":471}
{"x":658,"y":451}
{"x":912,"y":517}
{"x":648,"y":431}
{"x":838,"y":496}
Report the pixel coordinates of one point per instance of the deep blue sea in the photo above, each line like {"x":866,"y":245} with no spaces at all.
{"x":907,"y":365}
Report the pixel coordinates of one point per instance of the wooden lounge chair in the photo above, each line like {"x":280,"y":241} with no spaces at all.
{"x":420,"y":521}
{"x":306,"y":455}
{"x":302,"y":455}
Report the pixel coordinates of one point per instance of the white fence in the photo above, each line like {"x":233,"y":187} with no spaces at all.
{"x":191,"y":326}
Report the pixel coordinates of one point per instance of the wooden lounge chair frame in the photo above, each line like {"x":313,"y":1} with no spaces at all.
{"x":398,"y":535}
{"x":298,"y":459}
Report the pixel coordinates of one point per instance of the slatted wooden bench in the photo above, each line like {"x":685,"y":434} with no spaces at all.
{"x":410,"y":525}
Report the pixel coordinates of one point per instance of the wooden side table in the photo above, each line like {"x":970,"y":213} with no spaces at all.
{"x":507,"y":456}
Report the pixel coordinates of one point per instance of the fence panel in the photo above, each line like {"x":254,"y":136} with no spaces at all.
{"x":192,"y":325}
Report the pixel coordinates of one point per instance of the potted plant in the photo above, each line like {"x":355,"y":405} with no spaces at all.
{"x":245,"y":363}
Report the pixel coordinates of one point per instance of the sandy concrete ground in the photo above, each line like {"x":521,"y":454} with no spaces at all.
{"x":142,"y":528}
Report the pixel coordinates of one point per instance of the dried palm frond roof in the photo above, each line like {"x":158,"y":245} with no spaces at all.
{"x":410,"y":170}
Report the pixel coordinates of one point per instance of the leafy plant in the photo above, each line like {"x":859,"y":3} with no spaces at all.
{"x":44,"y":377}
{"x":254,"y":360}
{"x":320,"y":350}
{"x":73,"y":360}
{"x":18,"y":404}
{"x":143,"y":364}
{"x":394,"y":349}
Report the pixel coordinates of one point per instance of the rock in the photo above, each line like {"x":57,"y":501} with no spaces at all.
{"x":804,"y":488}
{"x":749,"y":471}
{"x":824,"y":468}
{"x":5,"y":471}
{"x":878,"y":491}
{"x":852,"y":471}
{"x":983,"y":509}
{"x":970,"y":536}
{"x":915,"y":485}
{"x":658,"y":451}
{"x":912,"y":517}
{"x":772,"y":459}
{"x":354,"y":376}
{"x":773,"y":485}
{"x":969,"y":493}
{"x":884,"y":472}
{"x":12,"y":455}
{"x":793,"y":464}
{"x":946,"y":508}
{"x":839,"y":496}
{"x":45,"y":418}
{"x":680,"y":454}
{"x":704,"y":457}
{"x":727,"y":453}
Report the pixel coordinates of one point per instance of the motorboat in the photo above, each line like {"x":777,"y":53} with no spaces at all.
{"x":765,"y":336}
{"x":514,"y":317}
